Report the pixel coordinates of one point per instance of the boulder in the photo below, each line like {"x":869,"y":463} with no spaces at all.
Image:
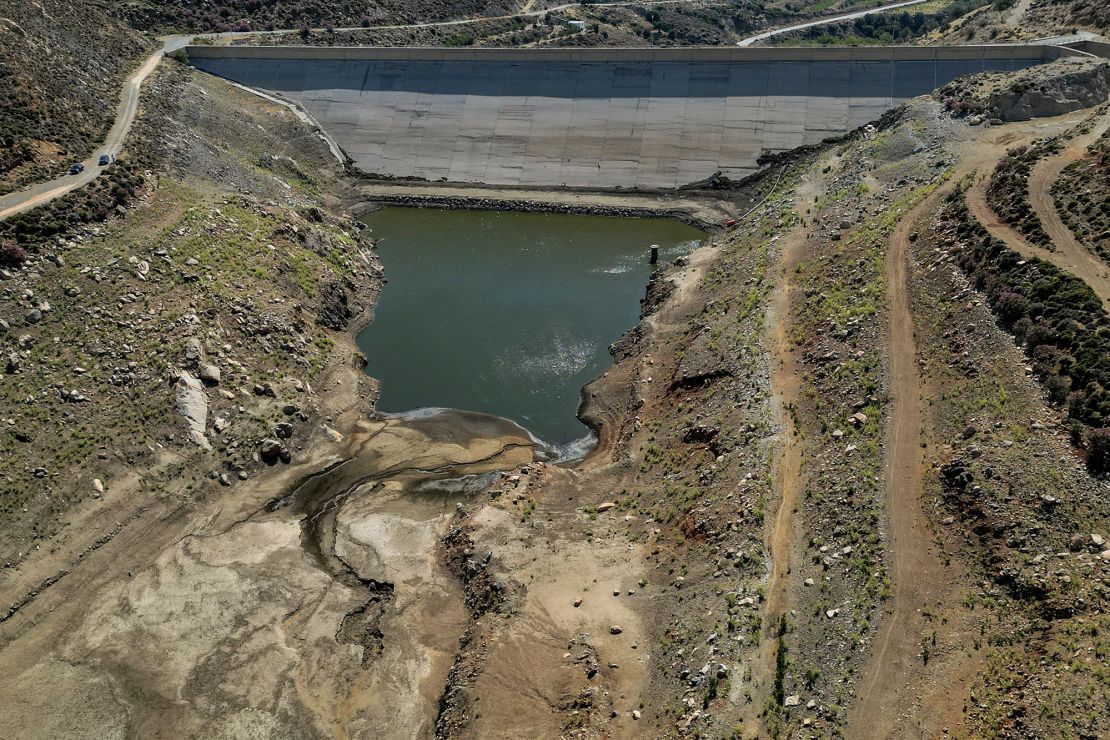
{"x":271,"y":450}
{"x":209,"y":373}
{"x":193,"y":352}
{"x":192,"y":403}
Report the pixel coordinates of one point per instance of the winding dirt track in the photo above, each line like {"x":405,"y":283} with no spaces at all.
{"x":1069,"y":255}
{"x":787,"y":384}
{"x":898,"y":693}
{"x":24,"y":200}
{"x":917,"y":568}
{"x":1041,"y":180}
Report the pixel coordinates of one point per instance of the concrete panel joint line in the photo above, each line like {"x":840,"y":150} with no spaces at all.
{"x":605,"y":118}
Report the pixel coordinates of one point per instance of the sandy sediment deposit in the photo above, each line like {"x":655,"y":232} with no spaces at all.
{"x":277,"y":620}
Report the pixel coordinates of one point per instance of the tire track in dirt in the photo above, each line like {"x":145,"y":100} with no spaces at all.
{"x":1085,"y":264}
{"x":786,"y":384}
{"x":894,"y":677}
{"x":787,"y":387}
{"x":899,"y":694}
{"x":1069,"y":255}
{"x":1085,"y":268}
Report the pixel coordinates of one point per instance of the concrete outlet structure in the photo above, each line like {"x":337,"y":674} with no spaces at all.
{"x":628,"y":118}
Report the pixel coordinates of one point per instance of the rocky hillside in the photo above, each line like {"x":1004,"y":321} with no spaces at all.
{"x":178,"y":328}
{"x":61,"y":70}
{"x":1068,"y":16}
{"x":197,"y":16}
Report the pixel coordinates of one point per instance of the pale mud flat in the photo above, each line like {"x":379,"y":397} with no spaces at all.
{"x":243,"y":631}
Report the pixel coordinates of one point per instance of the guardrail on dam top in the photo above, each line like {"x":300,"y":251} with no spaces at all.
{"x":630,"y":118}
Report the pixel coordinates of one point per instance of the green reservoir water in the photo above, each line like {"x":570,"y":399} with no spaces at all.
{"x":506,"y":313}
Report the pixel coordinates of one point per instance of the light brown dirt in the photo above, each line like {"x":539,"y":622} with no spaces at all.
{"x":1069,"y":255}
{"x":786,"y":382}
{"x":251,"y":613}
{"x":895,"y":676}
{"x":1081,"y":261}
{"x":899,"y":694}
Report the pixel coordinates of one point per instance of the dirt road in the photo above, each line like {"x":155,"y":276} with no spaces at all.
{"x":1075,"y":260}
{"x":898,"y":689}
{"x":1084,"y":263}
{"x":919,"y":574}
{"x":25,"y":200}
{"x":822,"y":21}
{"x":1069,"y":255}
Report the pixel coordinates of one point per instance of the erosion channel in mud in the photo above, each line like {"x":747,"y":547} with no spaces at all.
{"x":507,"y":313}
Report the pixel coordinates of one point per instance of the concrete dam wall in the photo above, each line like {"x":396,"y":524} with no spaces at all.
{"x":630,"y":118}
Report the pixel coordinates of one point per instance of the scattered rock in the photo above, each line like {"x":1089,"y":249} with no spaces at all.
{"x":605,"y":506}
{"x":271,"y":450}
{"x":615,"y":629}
{"x":210,"y":374}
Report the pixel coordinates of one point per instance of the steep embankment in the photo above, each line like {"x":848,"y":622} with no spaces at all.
{"x":203,"y":275}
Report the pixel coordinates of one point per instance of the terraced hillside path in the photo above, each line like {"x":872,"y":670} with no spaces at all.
{"x":917,"y":569}
{"x":1069,"y":255}
{"x":899,"y":694}
{"x":1041,"y":180}
{"x":786,"y":383}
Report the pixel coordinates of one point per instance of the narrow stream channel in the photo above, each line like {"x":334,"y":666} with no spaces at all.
{"x":507,"y":313}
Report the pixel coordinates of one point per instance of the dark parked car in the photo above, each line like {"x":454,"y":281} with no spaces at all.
{"x":77,"y":169}
{"x":104,"y":160}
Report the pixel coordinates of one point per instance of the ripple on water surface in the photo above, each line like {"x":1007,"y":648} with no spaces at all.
{"x":507,"y":313}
